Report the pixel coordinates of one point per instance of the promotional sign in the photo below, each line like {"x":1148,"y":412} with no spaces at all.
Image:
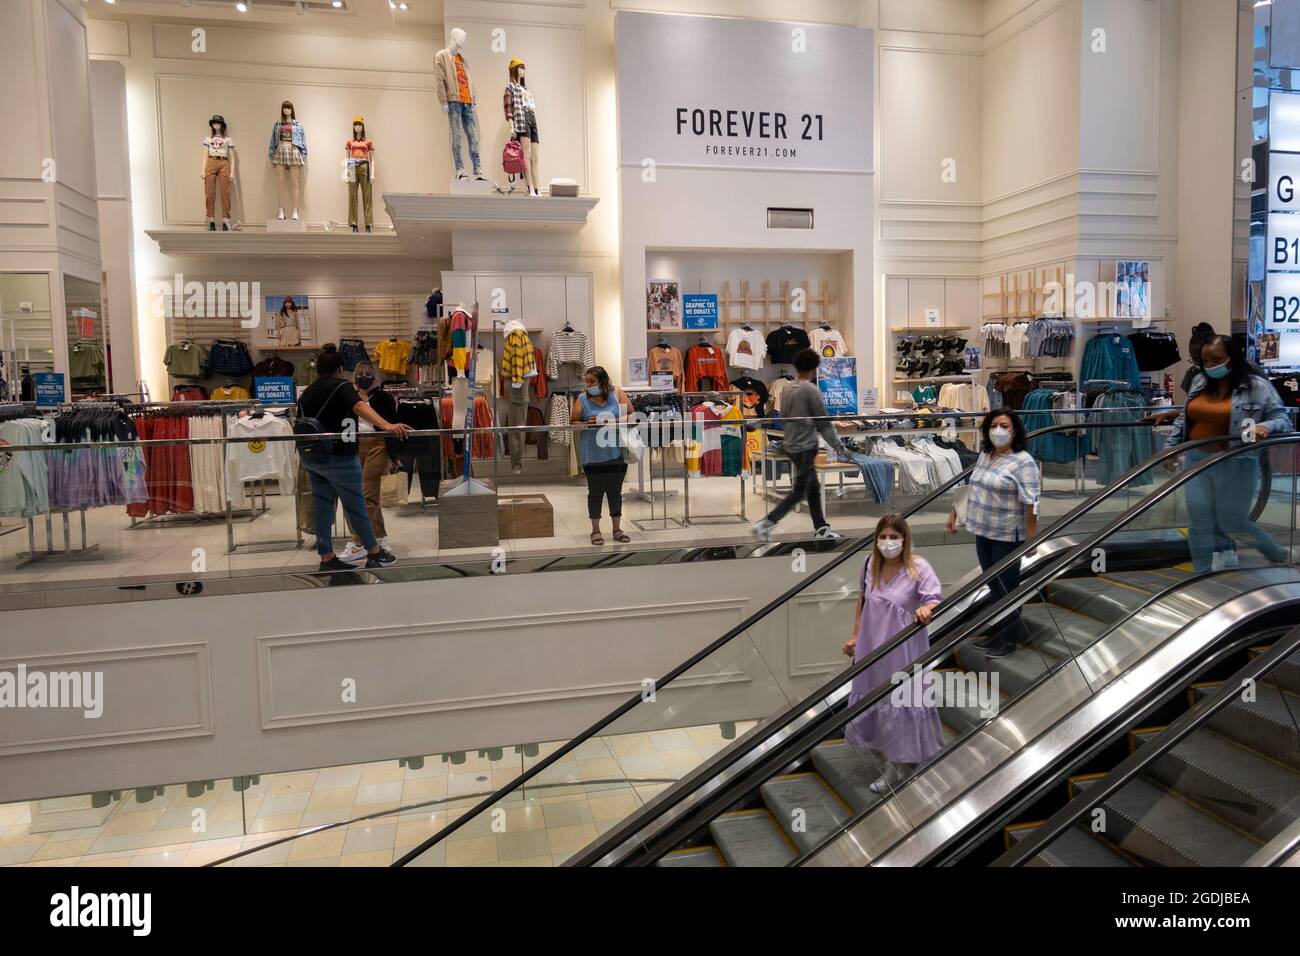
{"x":700,"y":310}
{"x":704,"y":91}
{"x":661,"y":381}
{"x":274,"y":390}
{"x":85,"y":322}
{"x":287,"y":322}
{"x":49,"y":388}
{"x":838,"y":380}
{"x":638,"y":372}
{"x":932,"y":318}
{"x":663,"y":304}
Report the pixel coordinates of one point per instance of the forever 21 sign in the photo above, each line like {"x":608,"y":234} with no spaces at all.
{"x":700,"y":91}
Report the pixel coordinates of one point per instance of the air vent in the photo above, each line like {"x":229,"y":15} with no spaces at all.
{"x":789,"y":218}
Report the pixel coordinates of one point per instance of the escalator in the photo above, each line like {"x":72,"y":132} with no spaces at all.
{"x":1211,"y":779}
{"x":1094,"y":648}
{"x":793,"y":790}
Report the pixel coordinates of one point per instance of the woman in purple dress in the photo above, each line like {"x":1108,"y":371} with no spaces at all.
{"x":898,"y":589}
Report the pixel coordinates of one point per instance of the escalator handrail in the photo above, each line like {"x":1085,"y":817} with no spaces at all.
{"x":801,"y":708}
{"x":854,"y":546}
{"x":1042,"y":576}
{"x":1136,"y":763}
{"x":821,"y":724}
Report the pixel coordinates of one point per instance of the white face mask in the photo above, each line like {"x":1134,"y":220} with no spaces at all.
{"x":1001,"y":437}
{"x":890,"y":548}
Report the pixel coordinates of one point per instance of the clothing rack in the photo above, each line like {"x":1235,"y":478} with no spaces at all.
{"x":731,"y":397}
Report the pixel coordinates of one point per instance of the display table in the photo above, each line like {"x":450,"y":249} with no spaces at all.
{"x":525,"y":516}
{"x":468,"y":520}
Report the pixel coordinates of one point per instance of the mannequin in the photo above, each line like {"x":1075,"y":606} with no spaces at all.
{"x":521,"y":114}
{"x":218,"y":150}
{"x":288,"y":152}
{"x":456,"y":94}
{"x":361,"y":172}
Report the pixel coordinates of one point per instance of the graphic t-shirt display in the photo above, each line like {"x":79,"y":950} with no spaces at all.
{"x":828,"y":343}
{"x":746,"y":348}
{"x":219,"y":147}
{"x":704,"y":366}
{"x":665,"y":358}
{"x":785,"y":343}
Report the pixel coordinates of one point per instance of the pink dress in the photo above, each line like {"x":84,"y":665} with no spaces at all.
{"x":908,"y":731}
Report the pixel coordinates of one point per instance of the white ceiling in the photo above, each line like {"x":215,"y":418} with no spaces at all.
{"x":369,"y":18}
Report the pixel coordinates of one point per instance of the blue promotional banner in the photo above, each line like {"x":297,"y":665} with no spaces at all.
{"x":274,"y":390}
{"x":699,"y":310}
{"x":838,"y":380}
{"x":49,"y":388}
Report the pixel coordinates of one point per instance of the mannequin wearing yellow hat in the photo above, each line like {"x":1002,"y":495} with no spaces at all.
{"x":521,"y":114}
{"x":359,"y":170}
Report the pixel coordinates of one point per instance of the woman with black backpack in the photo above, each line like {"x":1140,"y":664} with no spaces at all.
{"x":331,"y":405}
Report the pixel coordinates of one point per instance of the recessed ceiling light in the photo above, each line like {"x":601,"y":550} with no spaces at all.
{"x":241,"y":6}
{"x":336,"y":4}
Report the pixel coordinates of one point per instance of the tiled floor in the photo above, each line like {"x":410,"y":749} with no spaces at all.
{"x":564,"y":809}
{"x":173,"y":546}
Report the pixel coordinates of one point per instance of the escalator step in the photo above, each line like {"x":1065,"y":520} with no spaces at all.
{"x":1059,"y":631}
{"x":1108,"y":598}
{"x":957,"y":719}
{"x":751,"y":838}
{"x":1287,"y":674}
{"x":1234,"y":784}
{"x":1074,"y":847}
{"x":848,"y":772}
{"x":694,"y":856}
{"x":1016,"y":673}
{"x":805,"y":806}
{"x":1159,"y":829}
{"x":1267,"y":725}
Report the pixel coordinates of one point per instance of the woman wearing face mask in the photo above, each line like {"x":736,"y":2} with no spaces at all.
{"x":1220,"y":401}
{"x":1002,"y":513}
{"x":378,"y":454}
{"x":897,"y":589}
{"x":602,"y":459}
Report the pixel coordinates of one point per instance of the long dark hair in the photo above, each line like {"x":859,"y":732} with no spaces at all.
{"x":287,"y":305}
{"x":1018,"y":440}
{"x":293,"y":114}
{"x":1239,"y":371}
{"x":602,"y":379}
{"x":329,"y":361}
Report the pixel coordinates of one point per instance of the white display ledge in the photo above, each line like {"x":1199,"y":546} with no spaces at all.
{"x":255,"y":241}
{"x":443,"y":211}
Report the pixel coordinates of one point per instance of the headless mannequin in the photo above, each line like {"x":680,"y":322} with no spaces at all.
{"x":288,"y":174}
{"x":527,"y":137}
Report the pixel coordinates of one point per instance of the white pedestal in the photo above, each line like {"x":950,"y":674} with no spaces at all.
{"x":472,"y":187}
{"x":285,"y":225}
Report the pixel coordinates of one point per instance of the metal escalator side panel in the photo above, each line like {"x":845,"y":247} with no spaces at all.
{"x":1117,"y":698}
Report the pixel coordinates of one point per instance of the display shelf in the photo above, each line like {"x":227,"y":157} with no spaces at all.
{"x":254,"y":242}
{"x":512,"y":213}
{"x":911,"y":329}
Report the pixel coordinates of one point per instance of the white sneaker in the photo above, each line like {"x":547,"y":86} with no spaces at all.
{"x":824,"y":533}
{"x":383,"y":543}
{"x":762,"y":530}
{"x":1216,"y":561}
{"x":353,"y":553}
{"x":1230,"y":559}
{"x":894,"y":774}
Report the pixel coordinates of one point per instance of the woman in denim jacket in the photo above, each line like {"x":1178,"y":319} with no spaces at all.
{"x":1223,"y":399}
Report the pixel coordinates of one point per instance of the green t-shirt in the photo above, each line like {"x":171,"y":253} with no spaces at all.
{"x":86,"y":363}
{"x":186,"y":360}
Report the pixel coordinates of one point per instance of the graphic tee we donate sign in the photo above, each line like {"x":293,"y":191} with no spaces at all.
{"x":702,"y":91}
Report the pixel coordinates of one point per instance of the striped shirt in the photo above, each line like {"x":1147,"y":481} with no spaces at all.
{"x":1000,"y":488}
{"x":568,"y":347}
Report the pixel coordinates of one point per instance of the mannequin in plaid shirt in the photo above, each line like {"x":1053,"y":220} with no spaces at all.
{"x":521,"y":113}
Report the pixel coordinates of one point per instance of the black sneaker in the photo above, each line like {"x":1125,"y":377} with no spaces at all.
{"x":334,"y":564}
{"x":382,"y":558}
{"x":983,"y":644}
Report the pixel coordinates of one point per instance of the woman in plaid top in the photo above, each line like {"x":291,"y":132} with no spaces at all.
{"x":1002,"y":512}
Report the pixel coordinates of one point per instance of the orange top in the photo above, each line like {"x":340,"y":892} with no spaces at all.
{"x":1209,"y":417}
{"x":462,"y":81}
{"x":359,"y":148}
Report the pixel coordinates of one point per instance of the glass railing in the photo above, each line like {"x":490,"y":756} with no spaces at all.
{"x":1088,"y":618}
{"x":1211,"y":777}
{"x":223,"y":493}
{"x":801,"y":632}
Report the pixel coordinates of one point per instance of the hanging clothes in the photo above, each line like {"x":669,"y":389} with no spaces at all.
{"x":256,"y":459}
{"x":705,"y":368}
{"x":1121,"y":449}
{"x":568,"y":348}
{"x":24,"y":475}
{"x":1050,"y":337}
{"x":92,"y":477}
{"x":1110,"y":356}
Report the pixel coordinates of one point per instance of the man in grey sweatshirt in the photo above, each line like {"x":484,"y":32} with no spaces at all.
{"x":804,"y":415}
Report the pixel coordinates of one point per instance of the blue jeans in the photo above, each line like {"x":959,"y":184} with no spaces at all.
{"x":338,"y":479}
{"x":464,"y":122}
{"x":990,"y":551}
{"x":1218,"y":507}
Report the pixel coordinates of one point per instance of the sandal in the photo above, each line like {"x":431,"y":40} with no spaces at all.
{"x":621,"y":538}
{"x":597,"y":538}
